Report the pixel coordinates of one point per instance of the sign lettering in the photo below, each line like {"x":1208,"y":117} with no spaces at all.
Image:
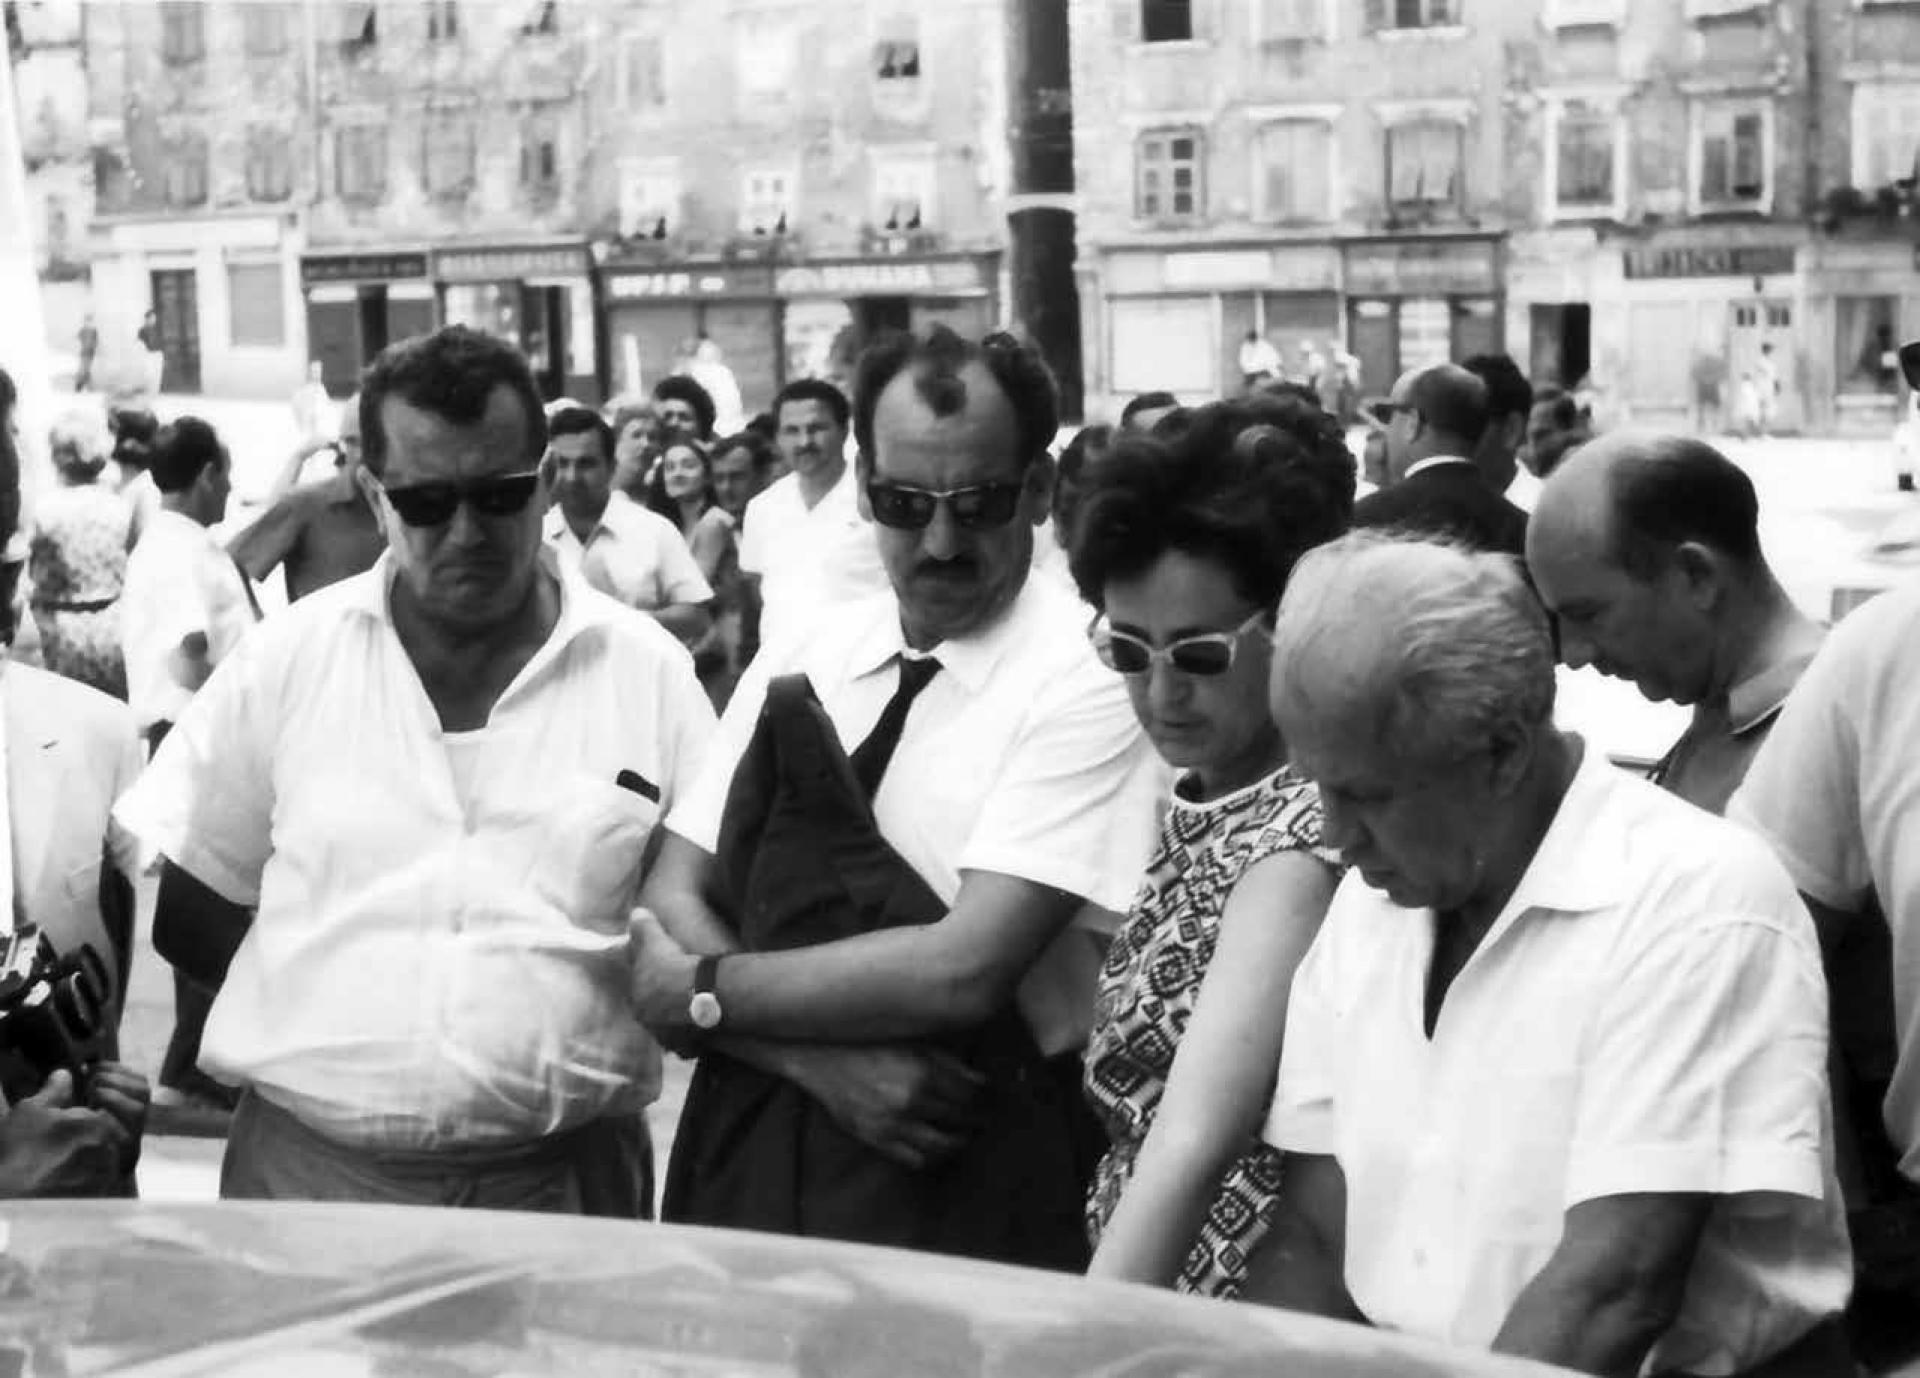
{"x":1711,"y":261}
{"x":916,"y":278}
{"x":492,"y":265}
{"x":362,"y":267}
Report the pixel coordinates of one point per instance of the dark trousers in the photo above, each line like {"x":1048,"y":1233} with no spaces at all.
{"x":191,"y":1003}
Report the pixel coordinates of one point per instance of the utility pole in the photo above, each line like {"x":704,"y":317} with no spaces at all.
{"x":1040,"y":208}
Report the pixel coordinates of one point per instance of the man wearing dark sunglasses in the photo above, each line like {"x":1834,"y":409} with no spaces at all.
{"x":437,"y":782}
{"x":1017,"y":785}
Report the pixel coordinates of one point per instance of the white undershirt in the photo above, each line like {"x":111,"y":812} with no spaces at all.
{"x":464,"y":750}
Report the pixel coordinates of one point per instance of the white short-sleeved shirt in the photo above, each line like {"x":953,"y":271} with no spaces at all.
{"x":809,"y":559}
{"x":1022,"y":757}
{"x":440,"y":956}
{"x":1836,"y":791}
{"x":1646,"y":1015}
{"x":634,"y":555}
{"x":180,"y":580}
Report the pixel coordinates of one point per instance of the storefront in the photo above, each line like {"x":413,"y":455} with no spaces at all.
{"x":1174,"y":320}
{"x":1553,"y":279}
{"x":1863,"y":299}
{"x":539,"y":296}
{"x":1417,"y":302}
{"x":359,"y":302}
{"x":656,"y":315}
{"x":831,"y":310}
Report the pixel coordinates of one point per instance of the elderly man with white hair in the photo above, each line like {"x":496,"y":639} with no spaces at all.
{"x":1554,"y":1077}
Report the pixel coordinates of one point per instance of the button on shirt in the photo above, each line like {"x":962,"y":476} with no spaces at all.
{"x":809,"y":559}
{"x":1646,"y":1015}
{"x":1022,"y":757}
{"x":440,"y":952}
{"x":634,"y":555}
{"x":1711,"y":758}
{"x":1836,"y":790}
{"x":179,"y":581}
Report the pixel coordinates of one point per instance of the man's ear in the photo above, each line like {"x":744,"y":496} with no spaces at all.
{"x":370,"y":490}
{"x":1509,"y":760}
{"x":1704,"y":572}
{"x":862,"y":472}
{"x":1037,"y":494}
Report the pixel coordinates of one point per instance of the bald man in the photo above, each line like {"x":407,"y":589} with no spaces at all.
{"x":1436,"y":419}
{"x":1647,"y":550}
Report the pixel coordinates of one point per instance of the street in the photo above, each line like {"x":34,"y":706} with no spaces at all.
{"x":1822,"y":504}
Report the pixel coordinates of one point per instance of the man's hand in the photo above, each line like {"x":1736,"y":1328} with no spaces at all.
{"x":122,"y":1093}
{"x":662,"y":977}
{"x":914,"y":1106}
{"x":50,"y":1147}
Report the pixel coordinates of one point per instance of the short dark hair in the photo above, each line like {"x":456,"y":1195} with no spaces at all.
{"x":1565,"y":412}
{"x":134,"y":429}
{"x":1088,"y":444}
{"x":1453,"y":402}
{"x":936,"y":358}
{"x":1254,"y":483}
{"x":678,"y":387}
{"x":1675,"y":489}
{"x":763,"y":423}
{"x":451,"y":373}
{"x":758,"y":448}
{"x":1146,"y":401}
{"x":813,"y":390}
{"x":582,"y":421}
{"x":182,"y":453}
{"x":1508,"y":391}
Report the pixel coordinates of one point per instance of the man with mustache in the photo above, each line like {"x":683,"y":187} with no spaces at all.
{"x":804,"y":541}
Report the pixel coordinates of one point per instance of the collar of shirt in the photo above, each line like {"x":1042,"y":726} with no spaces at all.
{"x":1435,"y":462}
{"x":1755,"y":700}
{"x":622,"y":515}
{"x":970,"y":659}
{"x":1579,"y":866}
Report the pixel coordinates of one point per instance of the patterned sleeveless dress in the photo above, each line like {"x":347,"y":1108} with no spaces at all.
{"x":1148,"y":990}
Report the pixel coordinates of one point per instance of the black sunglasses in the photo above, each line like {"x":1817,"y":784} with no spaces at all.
{"x":433,"y":503}
{"x":977,"y":507}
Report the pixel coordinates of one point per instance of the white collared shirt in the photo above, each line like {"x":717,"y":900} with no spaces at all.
{"x":1434,"y":462}
{"x":1021,"y":757}
{"x":809,"y":559}
{"x":634,"y":555}
{"x":1646,"y":1015}
{"x":427,"y":969}
{"x":180,"y":580}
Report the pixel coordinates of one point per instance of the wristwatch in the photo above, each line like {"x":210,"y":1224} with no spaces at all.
{"x":703,"y":1007}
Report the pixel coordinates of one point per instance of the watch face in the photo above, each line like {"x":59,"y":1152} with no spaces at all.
{"x":704,"y":1010}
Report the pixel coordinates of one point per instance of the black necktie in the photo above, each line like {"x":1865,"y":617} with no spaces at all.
{"x":871,"y":756}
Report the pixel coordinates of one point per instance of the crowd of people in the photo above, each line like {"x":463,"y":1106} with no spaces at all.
{"x":1158,"y":860}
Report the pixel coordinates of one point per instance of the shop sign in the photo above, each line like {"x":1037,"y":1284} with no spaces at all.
{"x":686,"y":282}
{"x":1218,"y":268}
{"x":1711,"y":261}
{"x":361,"y":267}
{"x":1427,"y":268}
{"x":501,"y":265}
{"x":919,"y":277}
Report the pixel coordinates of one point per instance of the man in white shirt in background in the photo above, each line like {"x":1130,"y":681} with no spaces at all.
{"x":628,"y":552}
{"x":804,"y":541}
{"x":185,"y":607}
{"x":436,"y":782}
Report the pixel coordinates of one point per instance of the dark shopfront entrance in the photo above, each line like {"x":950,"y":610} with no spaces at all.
{"x":357,"y":305}
{"x":1561,"y":348}
{"x":176,"y":304}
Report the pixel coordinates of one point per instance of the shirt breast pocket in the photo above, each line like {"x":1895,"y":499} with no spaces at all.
{"x":593,"y":843}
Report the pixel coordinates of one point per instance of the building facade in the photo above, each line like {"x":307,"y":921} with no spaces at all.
{"x":46,"y":43}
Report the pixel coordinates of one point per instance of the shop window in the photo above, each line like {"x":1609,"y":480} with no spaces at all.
{"x":1866,"y":345}
{"x":443,"y":21}
{"x":183,"y":32}
{"x":1296,"y":182}
{"x":643,"y":74}
{"x":185,"y":181}
{"x":1886,"y":134}
{"x":1585,"y":162}
{"x":357,"y":24}
{"x":1167,"y":175}
{"x":269,"y":164}
{"x":449,"y":161}
{"x":903,"y":193}
{"x":1731,"y":156}
{"x":1166,"y":21}
{"x":264,"y":28}
{"x":256,"y":305}
{"x":1425,"y":160}
{"x":649,"y":197}
{"x":766,"y":201}
{"x":360,"y":163}
{"x":1277,"y":21}
{"x":1386,"y":16}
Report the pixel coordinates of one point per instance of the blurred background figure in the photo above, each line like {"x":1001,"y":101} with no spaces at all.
{"x":312,"y":408}
{"x":742,"y":467}
{"x":77,"y":560}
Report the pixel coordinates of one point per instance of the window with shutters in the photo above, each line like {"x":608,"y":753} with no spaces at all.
{"x":183,"y":31}
{"x":360,"y":163}
{"x":265,"y":28}
{"x":269,"y":164}
{"x":767,"y":200}
{"x":1425,"y":165}
{"x":1167,"y":182}
{"x":540,"y":155}
{"x":185,"y":180}
{"x":766,"y":67}
{"x":650,"y":191}
{"x":1166,"y":21}
{"x":903,"y":185}
{"x":1296,"y":171}
{"x":1281,"y":21}
{"x":1886,"y":134}
{"x":1388,"y":16}
{"x":443,"y":21}
{"x":643,"y":74}
{"x":256,"y":305}
{"x":1586,"y":159}
{"x":450,"y":156}
{"x":1732,"y":151}
{"x":898,"y":90}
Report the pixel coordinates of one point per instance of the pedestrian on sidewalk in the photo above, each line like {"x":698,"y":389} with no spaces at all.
{"x":153,"y":354}
{"x":89,"y":347}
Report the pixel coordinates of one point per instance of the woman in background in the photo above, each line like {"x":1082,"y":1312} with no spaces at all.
{"x":77,"y":561}
{"x":682,"y":492}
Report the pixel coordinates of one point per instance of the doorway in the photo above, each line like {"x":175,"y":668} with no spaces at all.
{"x":1752,"y":326}
{"x":176,"y":304}
{"x":1560,"y":348}
{"x":543,"y":335}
